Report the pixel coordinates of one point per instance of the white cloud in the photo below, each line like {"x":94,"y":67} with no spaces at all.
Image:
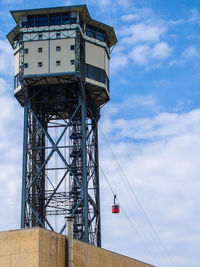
{"x":194,"y":15}
{"x":143,"y":54}
{"x":6,"y":58}
{"x":133,"y":102}
{"x":138,"y":14}
{"x":189,"y":52}
{"x":144,"y":39}
{"x":161,"y":50}
{"x":176,"y":22}
{"x":140,"y":54}
{"x":130,"y":17}
{"x":118,"y":60}
{"x":163,"y":169}
{"x":10,"y":157}
{"x":150,"y":32}
{"x":161,"y":126}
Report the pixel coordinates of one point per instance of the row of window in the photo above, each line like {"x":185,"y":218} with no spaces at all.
{"x":96,"y":74}
{"x":40,"y":36}
{"x":40,"y":49}
{"x":91,"y":72}
{"x":96,"y":33}
{"x":58,"y":63}
{"x":49,"y":20}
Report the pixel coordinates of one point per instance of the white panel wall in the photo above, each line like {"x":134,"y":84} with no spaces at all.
{"x":106,"y":64}
{"x":16,"y":56}
{"x":49,"y":56}
{"x":94,"y":55}
{"x":65,"y":55}
{"x":34,"y":57}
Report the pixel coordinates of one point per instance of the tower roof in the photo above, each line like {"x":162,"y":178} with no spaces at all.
{"x":84,"y":14}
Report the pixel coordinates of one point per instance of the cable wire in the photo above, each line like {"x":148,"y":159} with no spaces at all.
{"x":133,"y":194}
{"x":127,"y":217}
{"x":130,"y":189}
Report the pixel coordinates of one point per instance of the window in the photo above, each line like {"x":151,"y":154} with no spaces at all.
{"x":73,"y":20}
{"x":96,"y":74}
{"x":73,"y":17}
{"x":24,"y":21}
{"x":16,"y":81}
{"x":25,"y":65}
{"x":39,"y":49}
{"x":57,"y":35}
{"x":31,"y":21}
{"x":40,"y":37}
{"x":66,"y":18}
{"x":72,"y":47}
{"x":96,"y":33}
{"x":41,"y":20}
{"x":39,"y":64}
{"x":58,"y":63}
{"x":49,"y":20}
{"x":72,"y":61}
{"x":24,"y":24}
{"x":26,"y":51}
{"x":55,"y":19}
{"x":58,"y":48}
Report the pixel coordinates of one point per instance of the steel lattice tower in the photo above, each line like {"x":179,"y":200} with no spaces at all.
{"x":61,"y":114}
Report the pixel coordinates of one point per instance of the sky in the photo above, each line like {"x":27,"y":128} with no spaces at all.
{"x":149,"y":131}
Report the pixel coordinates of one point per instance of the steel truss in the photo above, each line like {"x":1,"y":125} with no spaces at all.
{"x":60,"y":161}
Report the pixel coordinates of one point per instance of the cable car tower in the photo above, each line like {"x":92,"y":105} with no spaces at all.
{"x":62,"y":81}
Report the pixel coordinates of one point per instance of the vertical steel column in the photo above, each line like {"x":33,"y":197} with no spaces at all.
{"x":84,"y":167}
{"x":24,"y":167}
{"x":97,"y":196}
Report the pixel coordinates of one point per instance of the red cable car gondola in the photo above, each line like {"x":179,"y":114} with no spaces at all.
{"x":115,"y":207}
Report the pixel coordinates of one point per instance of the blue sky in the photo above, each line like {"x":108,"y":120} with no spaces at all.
{"x":152,"y":124}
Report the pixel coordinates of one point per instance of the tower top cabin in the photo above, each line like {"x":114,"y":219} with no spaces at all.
{"x":59,"y":47}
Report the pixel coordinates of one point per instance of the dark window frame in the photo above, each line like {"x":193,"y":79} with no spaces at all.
{"x":24,"y":24}
{"x":96,"y":33}
{"x":16,"y":81}
{"x":40,"y":49}
{"x":41,"y":20}
{"x":40,"y":64}
{"x":58,"y":48}
{"x":58,"y":35}
{"x":53,"y":21}
{"x":58,"y":63}
{"x":96,"y":74}
{"x":49,"y":20}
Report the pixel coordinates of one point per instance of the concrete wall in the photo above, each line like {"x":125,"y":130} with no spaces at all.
{"x":37,"y":247}
{"x":32,"y":248}
{"x":90,"y":256}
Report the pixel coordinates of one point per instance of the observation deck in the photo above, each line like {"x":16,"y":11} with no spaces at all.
{"x":55,"y":47}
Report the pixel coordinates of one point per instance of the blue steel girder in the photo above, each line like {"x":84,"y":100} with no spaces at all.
{"x":82,"y":199}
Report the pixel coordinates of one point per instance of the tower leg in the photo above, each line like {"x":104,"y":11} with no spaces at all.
{"x":84,"y":168}
{"x":43,"y":196}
